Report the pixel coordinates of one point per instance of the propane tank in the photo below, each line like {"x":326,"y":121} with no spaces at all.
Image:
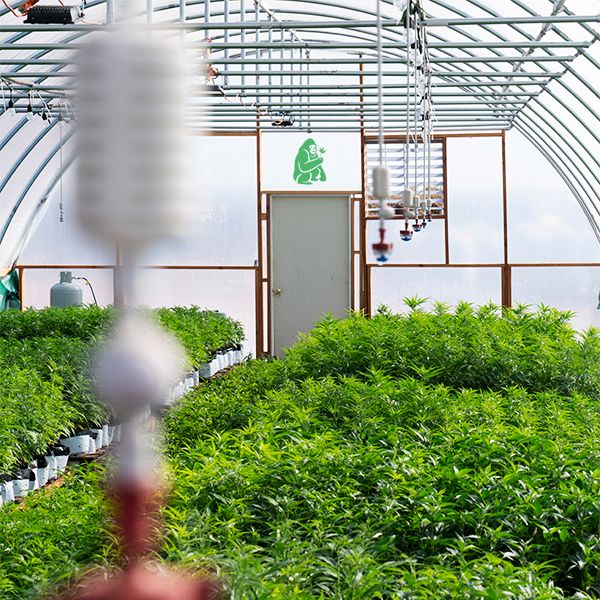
{"x":66,"y":293}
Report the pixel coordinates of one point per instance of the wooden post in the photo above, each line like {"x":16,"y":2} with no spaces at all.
{"x":446,"y":212}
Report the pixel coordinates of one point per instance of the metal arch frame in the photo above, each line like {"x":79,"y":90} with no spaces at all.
{"x":456,"y":25}
{"x":33,"y":179}
{"x":44,"y":197}
{"x":562,"y":168}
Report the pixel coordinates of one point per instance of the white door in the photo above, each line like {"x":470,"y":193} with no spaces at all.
{"x":310,"y":263}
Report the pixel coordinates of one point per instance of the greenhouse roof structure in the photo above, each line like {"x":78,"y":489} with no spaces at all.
{"x":533,"y":66}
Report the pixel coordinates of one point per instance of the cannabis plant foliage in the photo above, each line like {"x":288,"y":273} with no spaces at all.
{"x":482,"y":348}
{"x":382,"y":488}
{"x":426,"y":455}
{"x":45,"y":388}
{"x":52,"y":536}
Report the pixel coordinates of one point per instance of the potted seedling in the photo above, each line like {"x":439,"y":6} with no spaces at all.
{"x":7,"y":492}
{"x":51,"y":460}
{"x":34,"y":483}
{"x":106,"y":437}
{"x":205,"y":371}
{"x":113,"y":431}
{"x":95,"y":440}
{"x":21,"y":481}
{"x":214,"y":365}
{"x":78,"y":444}
{"x":39,"y":467}
{"x":99,"y":438}
{"x":239,"y":354}
{"x":117,"y":433}
{"x":61,"y":455}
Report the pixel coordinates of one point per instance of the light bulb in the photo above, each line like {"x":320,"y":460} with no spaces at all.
{"x":11,"y":108}
{"x":30,"y":114}
{"x":382,"y":249}
{"x":406,"y":234}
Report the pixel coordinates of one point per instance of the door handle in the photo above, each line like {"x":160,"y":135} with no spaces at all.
{"x":277,"y":291}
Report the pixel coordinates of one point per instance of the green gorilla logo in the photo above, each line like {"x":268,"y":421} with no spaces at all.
{"x":308,"y":167}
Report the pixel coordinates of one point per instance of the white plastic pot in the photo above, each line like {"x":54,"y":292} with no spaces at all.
{"x":34,"y":484}
{"x":61,"y":464}
{"x":99,"y":438}
{"x":7,"y":492}
{"x":205,"y":371}
{"x":196,"y":378}
{"x":52,"y":470}
{"x":105,"y":435}
{"x":42,"y":476}
{"x":79,"y":444}
{"x":117,"y":434}
{"x":61,"y":460}
{"x":20,"y":487}
{"x":214,"y":366}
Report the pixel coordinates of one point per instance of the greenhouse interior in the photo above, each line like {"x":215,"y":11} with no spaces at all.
{"x":394,"y":395}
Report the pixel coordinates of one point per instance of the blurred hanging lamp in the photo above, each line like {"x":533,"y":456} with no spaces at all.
{"x":381,"y":173}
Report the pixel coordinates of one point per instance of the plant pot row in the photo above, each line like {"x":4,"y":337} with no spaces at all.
{"x":89,"y":441}
{"x":51,"y":465}
{"x":223,"y":359}
{"x":46,"y":468}
{"x":40,"y":471}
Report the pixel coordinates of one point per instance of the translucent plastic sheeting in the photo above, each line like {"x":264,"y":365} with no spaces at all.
{"x":560,"y":122}
{"x":545,"y":222}
{"x":391,"y":285}
{"x":37,"y":284}
{"x":223,"y":230}
{"x":231,"y":292}
{"x":426,"y":247}
{"x":566,"y":288}
{"x":65,"y":243}
{"x":475,"y":200}
{"x":25,"y":177}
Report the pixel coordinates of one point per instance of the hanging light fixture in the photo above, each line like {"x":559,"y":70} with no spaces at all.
{"x":381,"y":173}
{"x":30,"y":114}
{"x":416,"y":196}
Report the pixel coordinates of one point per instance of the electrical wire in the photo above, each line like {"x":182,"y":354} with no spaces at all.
{"x":61,"y":208}
{"x":416,"y":116}
{"x":12,"y":10}
{"x":380,"y":82}
{"x":407,"y":141}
